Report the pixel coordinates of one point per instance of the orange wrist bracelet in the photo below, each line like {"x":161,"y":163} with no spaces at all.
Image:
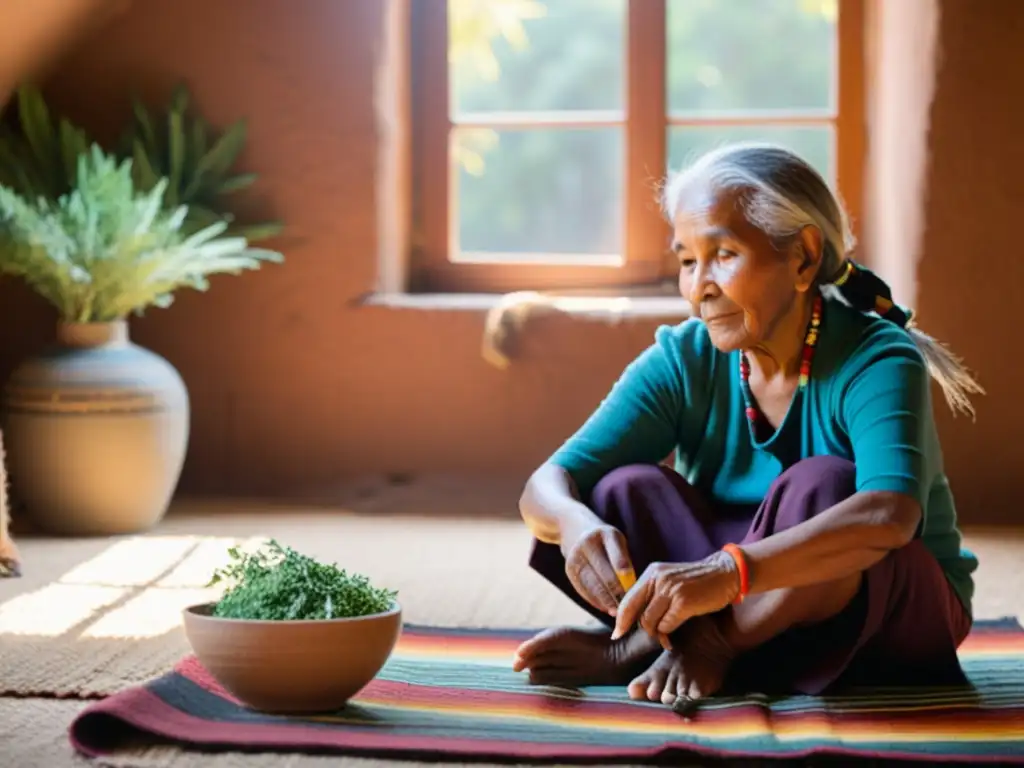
{"x":741,"y":565}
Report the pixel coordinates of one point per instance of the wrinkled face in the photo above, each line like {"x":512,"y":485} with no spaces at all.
{"x":738,"y":282}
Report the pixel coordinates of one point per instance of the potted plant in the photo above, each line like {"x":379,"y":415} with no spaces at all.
{"x":97,"y":427}
{"x":197,"y":161}
{"x":292,"y":634}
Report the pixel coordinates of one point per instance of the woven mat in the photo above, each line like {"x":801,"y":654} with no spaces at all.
{"x":451,"y":693}
{"x":92,"y":617}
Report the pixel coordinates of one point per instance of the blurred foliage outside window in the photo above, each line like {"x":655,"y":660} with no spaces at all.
{"x":560,"y":189}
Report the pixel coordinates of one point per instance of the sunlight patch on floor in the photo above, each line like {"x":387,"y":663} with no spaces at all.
{"x":152,"y":613}
{"x":56,"y":608}
{"x":131,"y":563}
{"x":153,"y":577}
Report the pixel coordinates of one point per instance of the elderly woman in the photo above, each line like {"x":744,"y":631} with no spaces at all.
{"x":807,"y":537}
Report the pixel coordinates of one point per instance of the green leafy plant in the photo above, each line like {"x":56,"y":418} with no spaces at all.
{"x":39,"y":154}
{"x":183,"y":148}
{"x":39,"y":157}
{"x":276,"y":583}
{"x":106,"y":250}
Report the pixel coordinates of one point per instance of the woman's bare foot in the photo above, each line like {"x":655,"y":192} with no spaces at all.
{"x":695,"y":669}
{"x":577,"y":657}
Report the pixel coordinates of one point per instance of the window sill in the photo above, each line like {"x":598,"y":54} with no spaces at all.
{"x":505,"y":315}
{"x":616,"y":305}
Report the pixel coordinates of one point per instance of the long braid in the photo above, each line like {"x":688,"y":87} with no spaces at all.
{"x":865,"y":291}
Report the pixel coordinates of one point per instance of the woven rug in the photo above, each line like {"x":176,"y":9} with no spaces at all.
{"x":451,"y":693}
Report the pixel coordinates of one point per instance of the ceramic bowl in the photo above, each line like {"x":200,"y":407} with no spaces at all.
{"x":293,"y":666}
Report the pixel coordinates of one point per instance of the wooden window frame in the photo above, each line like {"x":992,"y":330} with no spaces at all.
{"x":645,"y":261}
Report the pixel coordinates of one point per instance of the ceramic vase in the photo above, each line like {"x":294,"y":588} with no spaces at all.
{"x":96,"y":430}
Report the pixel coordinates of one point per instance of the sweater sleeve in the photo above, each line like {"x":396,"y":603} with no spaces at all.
{"x":887,"y":410}
{"x":638,"y":421}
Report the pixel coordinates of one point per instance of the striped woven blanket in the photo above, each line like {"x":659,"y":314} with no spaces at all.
{"x":452,"y":693}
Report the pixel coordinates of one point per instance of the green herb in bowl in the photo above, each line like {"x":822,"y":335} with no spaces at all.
{"x":290,"y":634}
{"x":276,"y":583}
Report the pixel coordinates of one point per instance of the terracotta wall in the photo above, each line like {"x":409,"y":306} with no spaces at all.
{"x":294,"y":386}
{"x":291,"y":384}
{"x":902,"y":60}
{"x":34,"y":34}
{"x":971,"y":270}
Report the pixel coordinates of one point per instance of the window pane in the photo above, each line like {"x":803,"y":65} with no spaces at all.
{"x":814,"y":144}
{"x":743,"y":55}
{"x":536,"y":55}
{"x":539,"y":191}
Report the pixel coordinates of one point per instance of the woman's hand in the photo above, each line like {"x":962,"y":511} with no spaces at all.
{"x":669,"y":594}
{"x":597,"y":563}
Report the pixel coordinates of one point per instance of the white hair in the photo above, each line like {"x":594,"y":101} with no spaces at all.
{"x":781,"y":194}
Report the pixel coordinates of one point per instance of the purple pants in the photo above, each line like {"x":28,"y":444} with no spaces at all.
{"x":902,"y":628}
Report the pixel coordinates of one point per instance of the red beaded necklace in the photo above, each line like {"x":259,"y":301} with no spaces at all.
{"x":810,"y":341}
